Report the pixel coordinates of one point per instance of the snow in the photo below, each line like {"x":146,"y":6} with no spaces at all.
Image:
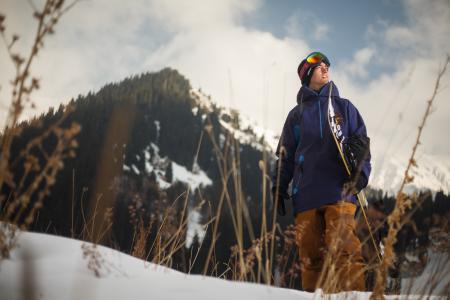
{"x":269,"y":136}
{"x":195,"y":167}
{"x":179,"y":173}
{"x":148,"y":166}
{"x":159,"y":165}
{"x":241,"y":136}
{"x":194,"y":228}
{"x":161,"y":182}
{"x":155,"y":163}
{"x":435,"y":278}
{"x":194,"y":180}
{"x":158,"y":129}
{"x":54,"y":268}
{"x":202,"y":100}
{"x":135,"y":169}
{"x":412,"y":258}
{"x":432,"y":173}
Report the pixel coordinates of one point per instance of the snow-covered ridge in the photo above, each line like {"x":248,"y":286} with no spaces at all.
{"x":245,"y":130}
{"x":202,"y":100}
{"x":159,"y":166}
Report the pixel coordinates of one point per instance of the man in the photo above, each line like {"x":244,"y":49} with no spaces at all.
{"x":308,"y":156}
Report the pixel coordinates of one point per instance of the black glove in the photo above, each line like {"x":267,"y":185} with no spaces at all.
{"x":361,"y":182}
{"x":355,"y":186}
{"x":282,"y":195}
{"x":356,"y":149}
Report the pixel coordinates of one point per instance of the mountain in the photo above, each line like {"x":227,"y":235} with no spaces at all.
{"x":152,"y":152}
{"x":157,"y":160}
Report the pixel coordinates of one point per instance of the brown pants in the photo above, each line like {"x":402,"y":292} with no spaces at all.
{"x":327,"y":234}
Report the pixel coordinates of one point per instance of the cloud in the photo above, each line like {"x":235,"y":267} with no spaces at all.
{"x":103,"y":41}
{"x":240,"y":68}
{"x":358,"y":66}
{"x":95,"y":42}
{"x":304,"y":24}
{"x":425,"y":32}
{"x":427,"y":29}
{"x":321,"y":31}
{"x":393,"y":103}
{"x":196,"y":15}
{"x":399,"y":36}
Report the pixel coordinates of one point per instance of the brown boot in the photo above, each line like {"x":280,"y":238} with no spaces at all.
{"x":310,"y":228}
{"x":344,"y":246}
{"x":330,"y":230}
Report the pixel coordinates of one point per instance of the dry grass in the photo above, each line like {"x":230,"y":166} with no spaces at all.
{"x":403,"y":201}
{"x":258,"y":263}
{"x":140,"y":243}
{"x":38,"y":164}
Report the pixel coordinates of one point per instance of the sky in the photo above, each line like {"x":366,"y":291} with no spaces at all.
{"x":385,"y":56}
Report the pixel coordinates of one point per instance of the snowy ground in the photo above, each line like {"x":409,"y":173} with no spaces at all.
{"x":434,"y":279}
{"x":50,"y":267}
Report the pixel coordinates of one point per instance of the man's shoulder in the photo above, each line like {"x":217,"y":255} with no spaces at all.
{"x":345,"y":103}
{"x":342,"y":103}
{"x":294,"y":112}
{"x":343,"y":100}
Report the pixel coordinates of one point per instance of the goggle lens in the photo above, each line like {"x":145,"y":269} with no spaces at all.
{"x":315,"y":58}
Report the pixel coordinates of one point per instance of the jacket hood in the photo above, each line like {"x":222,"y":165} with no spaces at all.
{"x":309,"y":94}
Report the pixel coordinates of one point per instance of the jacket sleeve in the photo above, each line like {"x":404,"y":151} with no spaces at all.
{"x":287,"y":145}
{"x":358,"y":128}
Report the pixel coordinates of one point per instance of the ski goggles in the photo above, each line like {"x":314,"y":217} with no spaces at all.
{"x":317,"y":57}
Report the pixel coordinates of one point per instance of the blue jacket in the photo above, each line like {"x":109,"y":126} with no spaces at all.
{"x":311,"y":157}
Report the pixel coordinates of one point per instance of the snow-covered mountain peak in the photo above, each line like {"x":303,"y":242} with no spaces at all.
{"x":432,"y":173}
{"x":201,"y":99}
{"x":243,"y":128}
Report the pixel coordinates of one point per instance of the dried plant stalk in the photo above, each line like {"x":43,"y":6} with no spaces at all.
{"x":402,"y":202}
{"x":37,"y":164}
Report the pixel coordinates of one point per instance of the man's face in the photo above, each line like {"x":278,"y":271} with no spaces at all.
{"x":320,"y":76}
